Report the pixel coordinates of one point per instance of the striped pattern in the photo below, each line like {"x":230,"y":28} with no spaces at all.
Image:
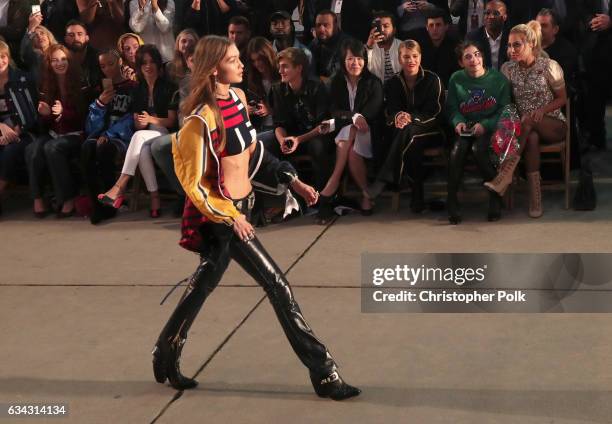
{"x":238,"y":129}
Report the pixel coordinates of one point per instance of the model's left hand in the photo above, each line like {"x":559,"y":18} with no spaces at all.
{"x":305,"y":191}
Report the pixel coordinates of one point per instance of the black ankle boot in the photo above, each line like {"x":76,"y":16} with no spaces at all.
{"x":454,"y":214}
{"x":166,"y":364}
{"x":326,"y":209}
{"x":417,"y":198}
{"x":495,"y":206}
{"x":332,"y":386}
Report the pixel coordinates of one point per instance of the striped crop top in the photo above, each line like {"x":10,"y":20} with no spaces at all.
{"x":239,"y":133}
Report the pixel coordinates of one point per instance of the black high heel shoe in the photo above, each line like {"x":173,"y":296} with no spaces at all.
{"x":332,"y":386}
{"x":166,"y":365}
{"x":326,"y":209}
{"x":454,"y":215}
{"x":495,"y":206}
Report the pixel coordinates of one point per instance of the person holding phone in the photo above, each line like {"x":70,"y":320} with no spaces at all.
{"x":476,"y":97}
{"x":154,"y":108}
{"x":383,"y":57}
{"x":14,"y":21}
{"x":262,"y":73}
{"x":153,"y":21}
{"x":300,"y":105}
{"x":109,"y":128}
{"x":216,"y":153}
{"x":34,"y":44}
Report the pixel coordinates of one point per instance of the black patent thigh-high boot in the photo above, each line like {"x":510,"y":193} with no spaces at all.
{"x":455,"y":174}
{"x":167,"y":350}
{"x":254,"y":259}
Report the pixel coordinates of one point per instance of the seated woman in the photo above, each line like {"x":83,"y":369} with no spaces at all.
{"x":414,"y":104}
{"x":476,"y":97}
{"x":62,"y":110}
{"x":128,"y":44}
{"x":153,"y":21}
{"x":357,"y":106}
{"x":154,"y":105}
{"x":539,"y":92}
{"x":34,"y":45}
{"x":262,"y":72}
{"x":14,"y":135}
{"x":109,"y":128}
{"x":177,"y":68}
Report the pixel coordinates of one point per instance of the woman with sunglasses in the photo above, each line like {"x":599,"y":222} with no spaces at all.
{"x":539,"y":91}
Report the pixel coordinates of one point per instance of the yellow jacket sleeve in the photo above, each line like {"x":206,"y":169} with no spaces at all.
{"x":194,"y":164}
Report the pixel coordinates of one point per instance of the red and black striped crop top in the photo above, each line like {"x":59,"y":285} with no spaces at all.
{"x":239,"y":133}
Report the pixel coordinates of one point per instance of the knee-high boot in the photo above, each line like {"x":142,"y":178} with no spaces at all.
{"x":167,"y":350}
{"x":455,"y":174}
{"x":256,"y":261}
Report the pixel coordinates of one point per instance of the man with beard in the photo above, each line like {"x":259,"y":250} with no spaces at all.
{"x":283,"y":36}
{"x":325,"y":47}
{"x":493,"y":36}
{"x":77,"y":41}
{"x":557,"y":46}
{"x":383,"y":48}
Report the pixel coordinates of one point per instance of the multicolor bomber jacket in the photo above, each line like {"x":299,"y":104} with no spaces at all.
{"x":197,"y":165}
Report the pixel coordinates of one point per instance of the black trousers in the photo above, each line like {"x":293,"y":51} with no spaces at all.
{"x":99,"y":167}
{"x":11,"y":156}
{"x":59,"y":152}
{"x":220,"y":246}
{"x":406,"y":153}
{"x":480,"y":150}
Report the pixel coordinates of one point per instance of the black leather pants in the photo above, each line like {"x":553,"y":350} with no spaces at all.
{"x":220,"y":246}
{"x":479,"y":147}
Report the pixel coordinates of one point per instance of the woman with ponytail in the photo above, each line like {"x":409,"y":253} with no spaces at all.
{"x":538,"y":88}
{"x":215,"y":155}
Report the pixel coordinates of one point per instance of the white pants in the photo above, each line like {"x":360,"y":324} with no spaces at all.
{"x":139,"y":154}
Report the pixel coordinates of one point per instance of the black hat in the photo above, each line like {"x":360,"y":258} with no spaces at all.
{"x":280,"y":14}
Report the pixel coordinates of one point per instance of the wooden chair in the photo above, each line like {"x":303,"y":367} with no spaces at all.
{"x":563,"y":150}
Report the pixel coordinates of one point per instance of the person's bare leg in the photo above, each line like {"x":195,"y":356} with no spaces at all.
{"x":342,"y":151}
{"x":39,"y":205}
{"x":120,"y":186}
{"x":550,"y":130}
{"x":68,"y":206}
{"x":357,"y":168}
{"x":155,"y":200}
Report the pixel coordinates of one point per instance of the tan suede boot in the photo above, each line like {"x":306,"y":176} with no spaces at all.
{"x":503,"y":179}
{"x":535,"y":195}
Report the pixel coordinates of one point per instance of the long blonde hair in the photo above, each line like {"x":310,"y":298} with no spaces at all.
{"x":532,"y":32}
{"x":178,"y":67}
{"x":209,"y":52}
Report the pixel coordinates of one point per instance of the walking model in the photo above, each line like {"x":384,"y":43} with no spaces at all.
{"x":215,"y":155}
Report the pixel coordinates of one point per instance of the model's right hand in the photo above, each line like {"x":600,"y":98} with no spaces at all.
{"x":243,"y":229}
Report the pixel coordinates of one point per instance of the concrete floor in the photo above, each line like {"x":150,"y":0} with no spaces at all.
{"x":79,"y":313}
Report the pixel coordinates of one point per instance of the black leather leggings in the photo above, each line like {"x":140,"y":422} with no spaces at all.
{"x":480,"y":150}
{"x":220,"y":246}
